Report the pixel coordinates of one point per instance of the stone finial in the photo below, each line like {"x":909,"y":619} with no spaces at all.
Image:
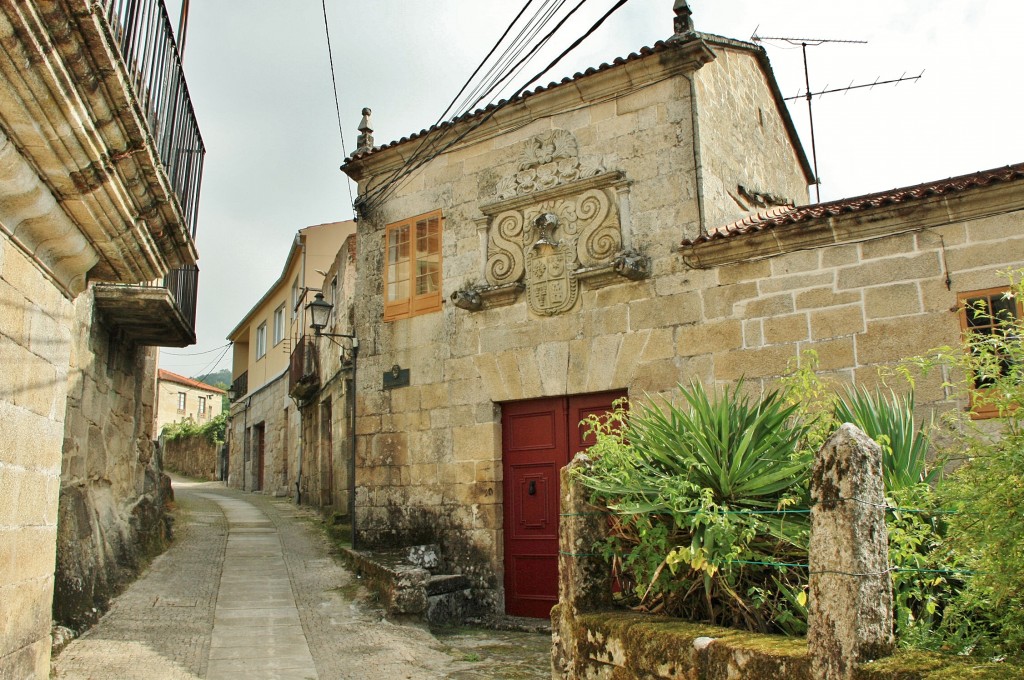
{"x":683,"y":23}
{"x":365,"y":140}
{"x":850,"y":610}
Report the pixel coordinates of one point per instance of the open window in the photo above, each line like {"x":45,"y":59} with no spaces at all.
{"x":988,"y":314}
{"x":412,"y":267}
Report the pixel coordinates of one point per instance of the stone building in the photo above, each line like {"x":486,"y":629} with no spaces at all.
{"x":265,"y":440}
{"x":179,"y":398}
{"x":617,"y":233}
{"x":98,"y":189}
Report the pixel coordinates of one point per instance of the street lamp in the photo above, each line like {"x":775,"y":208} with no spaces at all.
{"x":319,"y":313}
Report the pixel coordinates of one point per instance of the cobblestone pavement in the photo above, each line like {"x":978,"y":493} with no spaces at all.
{"x":249,"y":590}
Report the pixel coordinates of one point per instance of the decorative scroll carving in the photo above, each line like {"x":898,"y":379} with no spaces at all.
{"x":556,"y":220}
{"x":549,"y":159}
{"x":505,"y":249}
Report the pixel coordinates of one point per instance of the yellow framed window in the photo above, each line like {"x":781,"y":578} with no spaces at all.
{"x":412,"y":266}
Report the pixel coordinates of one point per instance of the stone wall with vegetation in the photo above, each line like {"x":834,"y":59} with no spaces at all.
{"x":112,"y":516}
{"x":195,"y":456}
{"x":35,"y":347}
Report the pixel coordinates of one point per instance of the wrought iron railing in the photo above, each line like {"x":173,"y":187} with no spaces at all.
{"x":143,"y":32}
{"x":183,"y":285}
{"x":304,"y":369}
{"x":240,"y":386}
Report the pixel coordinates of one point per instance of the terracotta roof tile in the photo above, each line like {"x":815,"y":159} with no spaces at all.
{"x":659,"y":46}
{"x":778,"y":217}
{"x":188,"y":382}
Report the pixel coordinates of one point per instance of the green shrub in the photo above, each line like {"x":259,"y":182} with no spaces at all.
{"x":694,"y":490}
{"x":213,"y":430}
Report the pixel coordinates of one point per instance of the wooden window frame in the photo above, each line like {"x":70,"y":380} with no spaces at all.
{"x":279,"y":325}
{"x":414,"y":304}
{"x":981,"y":412}
{"x":182,"y":397}
{"x":261,"y":341}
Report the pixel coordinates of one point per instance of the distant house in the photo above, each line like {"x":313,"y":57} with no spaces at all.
{"x":265,"y":446}
{"x":179,"y":398}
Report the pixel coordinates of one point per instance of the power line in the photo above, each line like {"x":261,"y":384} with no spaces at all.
{"x":207,"y":369}
{"x":193,"y":354}
{"x":388,"y":188}
{"x":337,"y":105}
{"x":547,"y":9}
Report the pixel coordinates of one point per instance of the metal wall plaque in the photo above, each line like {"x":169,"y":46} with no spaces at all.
{"x":396,"y":377}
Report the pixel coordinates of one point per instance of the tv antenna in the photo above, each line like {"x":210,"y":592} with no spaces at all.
{"x":804,"y":43}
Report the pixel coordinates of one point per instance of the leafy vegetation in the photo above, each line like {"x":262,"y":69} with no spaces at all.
{"x":213,"y":430}
{"x":709,"y":502}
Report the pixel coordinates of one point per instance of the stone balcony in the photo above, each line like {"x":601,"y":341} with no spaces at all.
{"x":100,"y":154}
{"x":156,"y":315}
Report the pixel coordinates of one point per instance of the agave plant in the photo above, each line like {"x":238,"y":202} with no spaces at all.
{"x":889,"y":420}
{"x":744,"y":450}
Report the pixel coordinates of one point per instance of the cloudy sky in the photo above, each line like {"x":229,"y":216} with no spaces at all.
{"x":260,"y":82}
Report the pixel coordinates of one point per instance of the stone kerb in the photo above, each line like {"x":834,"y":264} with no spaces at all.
{"x":851,"y":601}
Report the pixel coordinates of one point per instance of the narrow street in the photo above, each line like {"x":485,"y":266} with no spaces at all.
{"x":249,"y":590}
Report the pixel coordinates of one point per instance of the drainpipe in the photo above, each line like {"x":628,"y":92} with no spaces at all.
{"x":698,"y":166}
{"x":352,"y":444}
{"x":298,"y":473}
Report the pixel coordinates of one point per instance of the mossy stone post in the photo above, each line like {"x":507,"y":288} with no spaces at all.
{"x":584,"y":580}
{"x":850,"y":614}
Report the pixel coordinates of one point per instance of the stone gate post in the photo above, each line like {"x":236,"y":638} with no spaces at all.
{"x":584,"y":581}
{"x":850,"y":615}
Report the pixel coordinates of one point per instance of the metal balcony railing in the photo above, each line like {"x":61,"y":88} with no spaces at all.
{"x":304,"y":369}
{"x":143,"y":33}
{"x":240,"y":387}
{"x":183,"y":285}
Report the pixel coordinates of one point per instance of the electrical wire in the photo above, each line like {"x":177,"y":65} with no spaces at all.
{"x":337,"y":105}
{"x":208,"y":368}
{"x":384,"y":191}
{"x":193,"y":354}
{"x":413,"y":162}
{"x":427,"y":140}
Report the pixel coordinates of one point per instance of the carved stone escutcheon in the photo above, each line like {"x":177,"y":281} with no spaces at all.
{"x":555,"y":216}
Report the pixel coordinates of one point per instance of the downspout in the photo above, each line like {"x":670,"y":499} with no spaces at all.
{"x":697,"y":164}
{"x":301,"y":242}
{"x":352,"y":444}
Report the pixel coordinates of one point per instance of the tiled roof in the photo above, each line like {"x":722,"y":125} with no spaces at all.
{"x":659,"y":46}
{"x":188,"y":382}
{"x":778,"y":217}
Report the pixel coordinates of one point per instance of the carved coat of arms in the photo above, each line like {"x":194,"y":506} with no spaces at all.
{"x":555,"y":216}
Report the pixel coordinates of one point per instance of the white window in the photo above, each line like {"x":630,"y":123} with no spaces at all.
{"x":261,"y":340}
{"x":202,"y":406}
{"x":279,"y":324}
{"x":181,"y":402}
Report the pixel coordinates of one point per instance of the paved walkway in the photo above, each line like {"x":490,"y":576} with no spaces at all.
{"x":248,"y":590}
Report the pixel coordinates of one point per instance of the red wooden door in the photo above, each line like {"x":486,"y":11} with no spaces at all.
{"x":539,"y":437}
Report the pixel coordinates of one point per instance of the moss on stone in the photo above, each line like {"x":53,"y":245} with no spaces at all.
{"x":917,"y":665}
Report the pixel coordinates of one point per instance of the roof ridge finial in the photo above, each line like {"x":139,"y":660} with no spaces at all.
{"x":683,"y":23}
{"x":365,"y":140}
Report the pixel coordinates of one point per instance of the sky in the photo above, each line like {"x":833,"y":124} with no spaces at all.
{"x":260,"y":81}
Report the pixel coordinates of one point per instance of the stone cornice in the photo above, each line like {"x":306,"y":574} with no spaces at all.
{"x":863,"y":225}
